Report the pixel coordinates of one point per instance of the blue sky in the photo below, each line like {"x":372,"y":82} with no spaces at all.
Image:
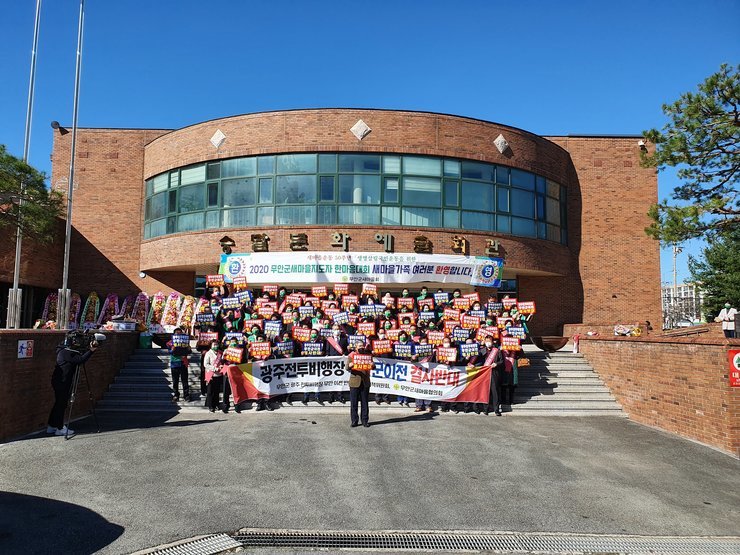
{"x":548,"y":67}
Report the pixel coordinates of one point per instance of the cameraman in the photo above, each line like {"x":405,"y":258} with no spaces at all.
{"x":62,"y":381}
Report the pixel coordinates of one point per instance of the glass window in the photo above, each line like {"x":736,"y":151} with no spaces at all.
{"x":171,"y":224}
{"x":477,"y":170}
{"x":190,"y":222}
{"x":191,"y":198}
{"x":326,"y":188}
{"x":422,"y":166}
{"x":423,"y":217}
{"x":451,"y":218}
{"x":477,"y":196}
{"x":295,"y":189}
{"x":172,"y":201}
{"x":157,"y":228}
{"x":540,"y":207}
{"x":520,"y":178}
{"x":391,"y":164}
{"x":265,"y":215}
{"x":390,"y":190}
{"x":540,"y":185}
{"x":213,"y":194}
{"x":552,"y":210}
{"x":452,"y":168}
{"x":327,"y":214}
{"x":213,"y":219}
{"x":239,"y":217}
{"x":265,"y":190}
{"x":477,"y":220}
{"x":553,"y":233}
{"x":523,"y":227}
{"x":266,"y":165}
{"x":359,"y":189}
{"x":563,"y":236}
{"x":502,"y":175}
{"x":289,"y":215}
{"x":359,"y":215}
{"x":391,"y":215}
{"x":149,"y":187}
{"x":174,"y":179}
{"x":502,"y":199}
{"x":359,"y":163}
{"x":296,"y":163}
{"x":159,"y":183}
{"x":541,"y":230}
{"x":451,"y":193}
{"x":553,"y":189}
{"x":522,"y":203}
{"x":157,"y":206}
{"x":422,"y":191}
{"x":327,"y":163}
{"x":503,"y":224}
{"x":213,"y":171}
{"x":194,"y":174}
{"x":147,"y":231}
{"x":239,"y":192}
{"x":563,"y":212}
{"x":229,"y":168}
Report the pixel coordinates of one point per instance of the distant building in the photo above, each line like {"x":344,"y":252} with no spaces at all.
{"x":684,"y":304}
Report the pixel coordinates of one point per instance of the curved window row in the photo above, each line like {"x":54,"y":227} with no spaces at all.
{"x":355,"y":189}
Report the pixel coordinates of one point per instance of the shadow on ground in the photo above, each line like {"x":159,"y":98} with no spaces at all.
{"x":31,"y":524}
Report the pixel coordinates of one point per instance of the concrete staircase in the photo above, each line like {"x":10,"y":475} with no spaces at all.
{"x":556,"y":384}
{"x":144,"y":384}
{"x":561,"y":384}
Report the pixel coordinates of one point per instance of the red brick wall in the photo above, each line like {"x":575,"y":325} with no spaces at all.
{"x":41,"y":264}
{"x":329,"y":130}
{"x":618,"y":264}
{"x":26,"y":396}
{"x":108,"y":211}
{"x":679,"y":385}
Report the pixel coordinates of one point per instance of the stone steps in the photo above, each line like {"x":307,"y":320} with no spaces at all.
{"x":560,"y":384}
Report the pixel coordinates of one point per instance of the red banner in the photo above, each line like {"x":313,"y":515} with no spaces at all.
{"x":733,"y":356}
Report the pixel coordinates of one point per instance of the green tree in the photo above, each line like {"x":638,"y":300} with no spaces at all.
{"x":39,"y":207}
{"x":701,"y":139}
{"x":717,"y":272}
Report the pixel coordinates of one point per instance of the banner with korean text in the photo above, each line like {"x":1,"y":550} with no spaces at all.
{"x":431,"y":381}
{"x":361,"y":267}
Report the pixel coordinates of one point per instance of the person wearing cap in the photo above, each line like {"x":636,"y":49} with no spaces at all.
{"x":727,"y":316}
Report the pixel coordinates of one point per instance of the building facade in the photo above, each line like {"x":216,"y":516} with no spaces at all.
{"x":566,"y":213}
{"x":684,"y":303}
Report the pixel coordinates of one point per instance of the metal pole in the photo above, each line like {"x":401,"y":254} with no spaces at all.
{"x":63,"y":303}
{"x":15,"y":295}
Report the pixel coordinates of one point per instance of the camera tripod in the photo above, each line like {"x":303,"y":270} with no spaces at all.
{"x":73,"y":394}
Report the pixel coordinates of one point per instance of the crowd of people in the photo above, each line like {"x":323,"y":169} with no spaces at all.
{"x":239,"y":324}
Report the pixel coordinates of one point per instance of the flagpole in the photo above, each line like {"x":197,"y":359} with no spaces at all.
{"x":15,"y":294}
{"x":64,"y":293}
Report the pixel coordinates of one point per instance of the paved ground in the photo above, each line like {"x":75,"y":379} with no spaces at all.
{"x":147,"y":481}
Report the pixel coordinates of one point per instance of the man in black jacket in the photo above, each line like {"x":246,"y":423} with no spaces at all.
{"x":62,"y":381}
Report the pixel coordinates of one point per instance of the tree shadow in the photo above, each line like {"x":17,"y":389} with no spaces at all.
{"x":30,"y":524}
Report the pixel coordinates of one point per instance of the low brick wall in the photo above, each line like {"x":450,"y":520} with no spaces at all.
{"x":678,"y":384}
{"x":26,"y":396}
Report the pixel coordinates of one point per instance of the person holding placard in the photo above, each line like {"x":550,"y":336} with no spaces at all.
{"x":214,"y":378}
{"x":337,"y":345}
{"x":359,"y":364}
{"x":446,"y":354}
{"x":314,"y":347}
{"x":179,"y":366}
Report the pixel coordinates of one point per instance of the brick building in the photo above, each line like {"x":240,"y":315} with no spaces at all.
{"x":568,"y":212}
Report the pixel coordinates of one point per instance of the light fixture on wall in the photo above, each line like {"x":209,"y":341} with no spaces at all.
{"x":142,"y":275}
{"x":55,"y":125}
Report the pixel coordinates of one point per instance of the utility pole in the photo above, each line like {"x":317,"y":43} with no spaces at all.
{"x":674,"y":301}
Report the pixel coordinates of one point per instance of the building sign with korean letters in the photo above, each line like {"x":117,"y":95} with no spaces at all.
{"x":361,"y":267}
{"x":734,"y":358}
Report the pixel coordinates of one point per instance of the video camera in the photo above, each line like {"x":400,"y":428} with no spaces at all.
{"x":79,"y":340}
